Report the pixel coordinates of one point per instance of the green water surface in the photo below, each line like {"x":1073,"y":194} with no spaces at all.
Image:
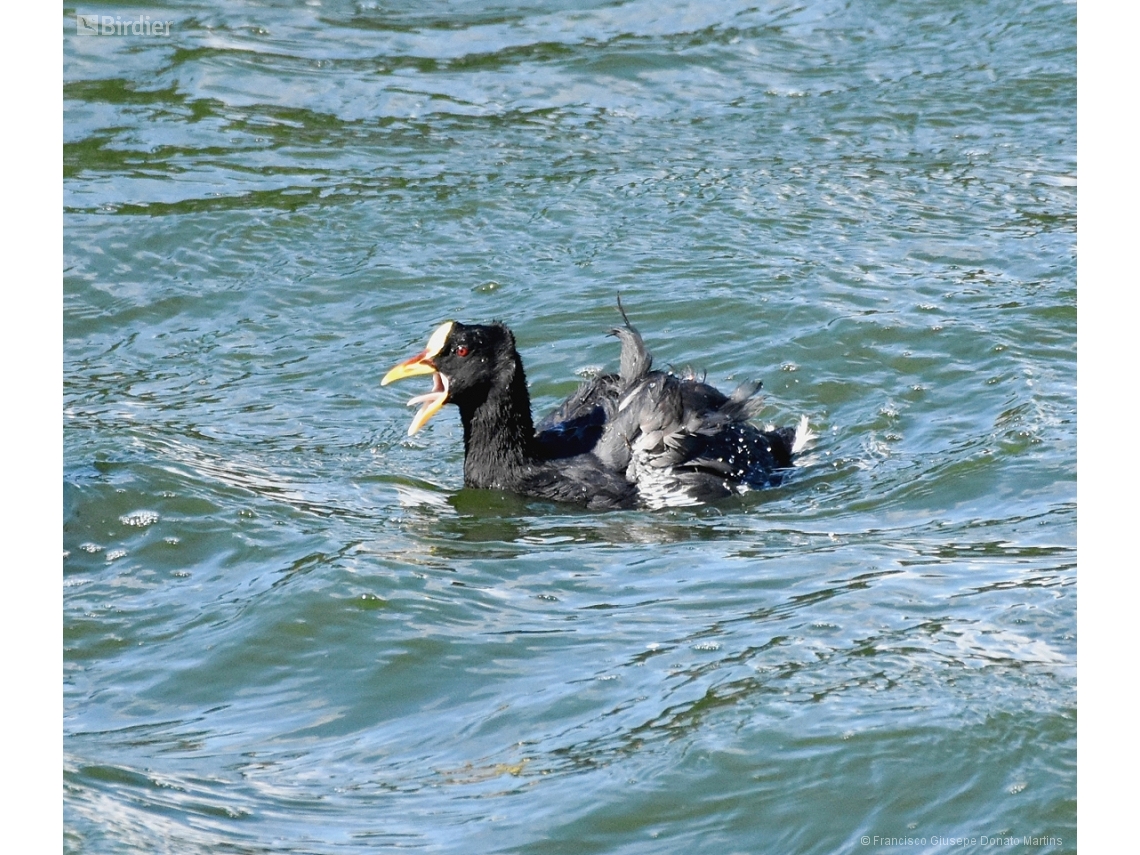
{"x":286,"y":626}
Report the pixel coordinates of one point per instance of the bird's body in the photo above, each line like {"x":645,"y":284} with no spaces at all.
{"x":634,"y":438}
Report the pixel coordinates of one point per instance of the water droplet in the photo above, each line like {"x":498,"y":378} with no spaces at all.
{"x":140,"y":519}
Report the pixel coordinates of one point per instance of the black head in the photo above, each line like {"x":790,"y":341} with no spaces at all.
{"x":476,"y":359}
{"x":469,"y":364}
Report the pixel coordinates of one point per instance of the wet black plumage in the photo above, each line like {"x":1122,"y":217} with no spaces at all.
{"x":637,"y":437}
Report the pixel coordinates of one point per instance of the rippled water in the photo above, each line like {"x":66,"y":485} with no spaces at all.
{"x":287,"y":628}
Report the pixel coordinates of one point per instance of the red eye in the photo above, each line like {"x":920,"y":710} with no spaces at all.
{"x":461,"y":350}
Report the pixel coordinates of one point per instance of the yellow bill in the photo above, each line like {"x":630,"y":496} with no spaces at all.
{"x":431,"y":402}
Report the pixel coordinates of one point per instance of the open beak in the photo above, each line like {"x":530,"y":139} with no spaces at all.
{"x":431,"y":402}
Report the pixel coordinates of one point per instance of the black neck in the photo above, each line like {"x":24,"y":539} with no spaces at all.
{"x":498,"y":434}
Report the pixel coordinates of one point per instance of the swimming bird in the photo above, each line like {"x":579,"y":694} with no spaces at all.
{"x":635,"y":438}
